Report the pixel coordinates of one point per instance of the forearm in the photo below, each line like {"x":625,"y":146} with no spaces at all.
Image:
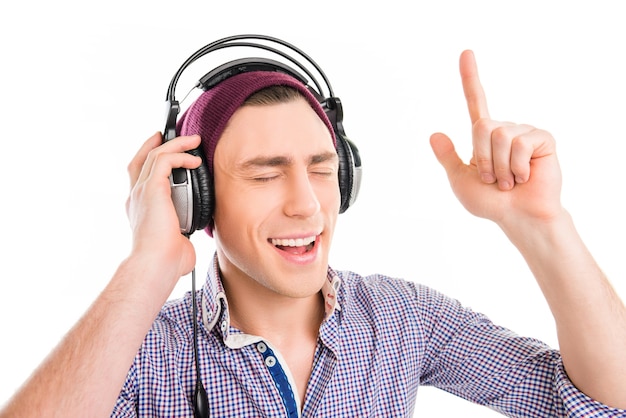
{"x":589,"y":315}
{"x":84,"y":374}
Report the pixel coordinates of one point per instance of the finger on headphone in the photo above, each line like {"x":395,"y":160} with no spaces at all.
{"x":135,"y":165}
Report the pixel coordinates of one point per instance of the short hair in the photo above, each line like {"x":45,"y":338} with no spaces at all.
{"x":273,"y":95}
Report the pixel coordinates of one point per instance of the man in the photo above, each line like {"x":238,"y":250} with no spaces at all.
{"x":280,"y":333}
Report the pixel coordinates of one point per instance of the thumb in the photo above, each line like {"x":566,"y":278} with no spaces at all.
{"x":444,"y":151}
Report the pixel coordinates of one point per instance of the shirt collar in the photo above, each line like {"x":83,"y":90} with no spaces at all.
{"x":215,"y":316}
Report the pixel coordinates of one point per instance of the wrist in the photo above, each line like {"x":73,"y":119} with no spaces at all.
{"x":526,"y":232}
{"x":144,"y":281}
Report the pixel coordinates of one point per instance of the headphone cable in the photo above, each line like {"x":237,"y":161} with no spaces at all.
{"x":200,"y":398}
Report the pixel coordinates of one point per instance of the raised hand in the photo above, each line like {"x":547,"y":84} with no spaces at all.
{"x":513,"y":173}
{"x":152,"y":216}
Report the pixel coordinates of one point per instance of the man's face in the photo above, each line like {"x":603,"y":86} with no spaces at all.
{"x":277,"y":198}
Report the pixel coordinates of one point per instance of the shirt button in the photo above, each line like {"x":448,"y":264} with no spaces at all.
{"x":270,"y":361}
{"x":261,"y":347}
{"x":224,"y":326}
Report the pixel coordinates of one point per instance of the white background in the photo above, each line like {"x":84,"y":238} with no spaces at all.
{"x":84,"y":83}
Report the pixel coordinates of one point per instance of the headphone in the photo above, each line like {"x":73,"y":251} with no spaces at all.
{"x":192,"y":190}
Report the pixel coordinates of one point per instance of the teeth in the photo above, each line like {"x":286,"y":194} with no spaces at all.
{"x":300,"y":242}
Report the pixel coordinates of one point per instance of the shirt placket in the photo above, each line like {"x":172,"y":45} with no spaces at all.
{"x":281,"y":380}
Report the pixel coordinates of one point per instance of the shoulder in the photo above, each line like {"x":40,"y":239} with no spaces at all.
{"x":392,"y":297}
{"x":172,"y":326}
{"x":379,"y":286}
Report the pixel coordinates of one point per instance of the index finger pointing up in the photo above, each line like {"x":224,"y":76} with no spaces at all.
{"x":474,"y":93}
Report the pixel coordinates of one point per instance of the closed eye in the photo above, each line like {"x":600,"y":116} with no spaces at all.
{"x":323,"y":173}
{"x":264,"y":179}
{"x":323,"y":170}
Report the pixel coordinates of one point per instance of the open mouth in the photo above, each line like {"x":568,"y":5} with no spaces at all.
{"x":294,"y":246}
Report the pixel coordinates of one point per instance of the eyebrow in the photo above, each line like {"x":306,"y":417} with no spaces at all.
{"x":283,"y":161}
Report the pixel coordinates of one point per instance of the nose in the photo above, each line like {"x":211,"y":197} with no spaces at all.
{"x":301,"y":199}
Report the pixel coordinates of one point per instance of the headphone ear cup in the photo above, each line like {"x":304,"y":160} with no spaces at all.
{"x":349,"y":158}
{"x":202,"y":190}
{"x":349,"y":171}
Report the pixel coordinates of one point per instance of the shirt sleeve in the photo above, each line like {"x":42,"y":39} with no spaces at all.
{"x":126,"y":406}
{"x":469,"y":356}
{"x":577,"y":404}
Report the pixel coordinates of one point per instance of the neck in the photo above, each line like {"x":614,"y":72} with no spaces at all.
{"x":256,"y":310}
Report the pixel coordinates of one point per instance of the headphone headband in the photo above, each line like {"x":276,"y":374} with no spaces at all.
{"x":244,"y":65}
{"x":233,"y":41}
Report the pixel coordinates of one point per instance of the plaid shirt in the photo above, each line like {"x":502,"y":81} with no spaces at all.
{"x":381,"y":339}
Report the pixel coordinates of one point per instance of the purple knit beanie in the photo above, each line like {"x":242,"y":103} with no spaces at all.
{"x":210,"y":113}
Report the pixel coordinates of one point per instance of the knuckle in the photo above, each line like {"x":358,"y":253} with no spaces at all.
{"x":484,"y":164}
{"x":519,"y":168}
{"x":482,"y":127}
{"x":502,"y":171}
{"x":545,"y":135}
{"x":133,"y":166}
{"x":482,"y":160}
{"x":501,"y":135}
{"x":518,"y":145}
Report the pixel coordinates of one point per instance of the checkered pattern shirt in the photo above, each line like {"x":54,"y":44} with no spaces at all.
{"x":380,"y":340}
